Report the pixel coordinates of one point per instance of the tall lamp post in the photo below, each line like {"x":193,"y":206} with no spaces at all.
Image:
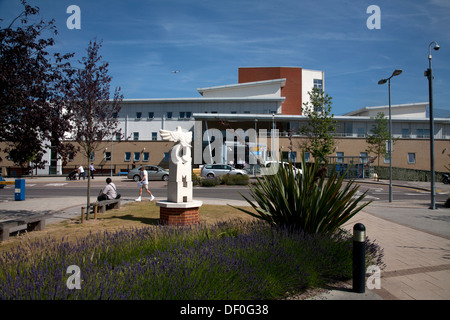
{"x":429,"y":75}
{"x":383,"y":81}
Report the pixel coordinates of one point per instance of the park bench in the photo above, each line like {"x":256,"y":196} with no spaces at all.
{"x":100,"y":206}
{"x":30,"y":223}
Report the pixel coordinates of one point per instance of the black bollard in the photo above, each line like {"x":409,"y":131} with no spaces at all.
{"x":359,"y":258}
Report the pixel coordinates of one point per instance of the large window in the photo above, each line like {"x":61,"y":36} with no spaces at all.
{"x":127,"y":156}
{"x":411,"y":158}
{"x":145,"y":156}
{"x":137,"y":156}
{"x":154,"y":136}
{"x":135,"y":135}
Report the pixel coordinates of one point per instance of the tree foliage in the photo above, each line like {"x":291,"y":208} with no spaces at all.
{"x":321,"y":125}
{"x":32,"y":85}
{"x":89,"y":105}
{"x":380,"y":134}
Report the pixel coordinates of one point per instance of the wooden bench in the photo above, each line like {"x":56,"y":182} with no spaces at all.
{"x":101,"y":206}
{"x":30,"y":223}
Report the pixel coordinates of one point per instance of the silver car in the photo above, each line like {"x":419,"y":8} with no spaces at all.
{"x":154,"y":173}
{"x":215,"y":170}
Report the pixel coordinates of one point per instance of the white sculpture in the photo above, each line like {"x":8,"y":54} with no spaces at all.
{"x":180,"y":165}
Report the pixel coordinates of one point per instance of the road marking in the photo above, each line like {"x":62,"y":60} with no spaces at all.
{"x":55,"y":184}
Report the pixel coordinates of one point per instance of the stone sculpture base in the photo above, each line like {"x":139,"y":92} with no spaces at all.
{"x":183,"y":214}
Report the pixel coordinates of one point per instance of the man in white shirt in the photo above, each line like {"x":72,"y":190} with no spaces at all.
{"x":109,"y":192}
{"x":144,"y":184}
{"x":81,"y":172}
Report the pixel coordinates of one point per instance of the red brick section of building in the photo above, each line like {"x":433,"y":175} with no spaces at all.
{"x":292,"y":91}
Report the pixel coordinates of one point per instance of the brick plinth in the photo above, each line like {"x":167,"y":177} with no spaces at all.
{"x":178,"y":216}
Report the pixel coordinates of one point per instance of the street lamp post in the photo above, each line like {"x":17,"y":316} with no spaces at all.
{"x":383,"y":81}
{"x":429,"y":75}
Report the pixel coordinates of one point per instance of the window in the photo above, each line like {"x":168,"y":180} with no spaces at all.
{"x":118,"y":136}
{"x":318,"y":83}
{"x":339,"y":159}
{"x":360,"y":132}
{"x":151,"y":115}
{"x":423,"y":133}
{"x":135,"y":135}
{"x":166,"y":156}
{"x":92,"y":156}
{"x":138,"y":115}
{"x":169,"y":115}
{"x":307,"y":157}
{"x":363,"y":156}
{"x":146,"y":156}
{"x":411,"y":158}
{"x":107,"y":156}
{"x":405,"y":133}
{"x":386,"y":158}
{"x":115,"y":115}
{"x":182,"y":114}
{"x":188,"y":115}
{"x":127,"y":156}
{"x":137,"y":156}
{"x":154,"y":135}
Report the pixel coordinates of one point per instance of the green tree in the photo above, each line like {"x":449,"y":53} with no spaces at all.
{"x":91,"y":107}
{"x":320,"y":127}
{"x":380,"y":134}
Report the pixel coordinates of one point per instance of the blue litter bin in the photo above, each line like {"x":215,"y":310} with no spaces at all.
{"x":19,"y":192}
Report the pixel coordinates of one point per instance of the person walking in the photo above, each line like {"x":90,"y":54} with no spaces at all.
{"x":81,"y":172}
{"x":92,"y":169}
{"x":143,"y":183}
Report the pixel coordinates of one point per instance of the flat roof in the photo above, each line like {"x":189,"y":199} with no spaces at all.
{"x":282,"y":83}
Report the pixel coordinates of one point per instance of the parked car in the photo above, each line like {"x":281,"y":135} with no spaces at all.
{"x":268,"y":168}
{"x":154,"y":173}
{"x":215,"y":170}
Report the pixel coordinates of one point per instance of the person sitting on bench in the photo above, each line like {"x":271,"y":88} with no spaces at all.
{"x":109,"y":192}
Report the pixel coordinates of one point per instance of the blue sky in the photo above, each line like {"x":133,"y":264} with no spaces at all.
{"x":208,"y":40}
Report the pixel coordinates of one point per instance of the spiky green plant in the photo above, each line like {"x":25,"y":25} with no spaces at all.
{"x":311,"y":202}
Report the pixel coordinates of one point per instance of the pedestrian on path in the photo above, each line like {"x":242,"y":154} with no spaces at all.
{"x":81,"y":172}
{"x":143,"y":184}
{"x":92,"y":169}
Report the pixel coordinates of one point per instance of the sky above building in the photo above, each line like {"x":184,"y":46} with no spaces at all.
{"x":354,"y":43}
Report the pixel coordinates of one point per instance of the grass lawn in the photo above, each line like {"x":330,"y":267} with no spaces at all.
{"x":131,"y":214}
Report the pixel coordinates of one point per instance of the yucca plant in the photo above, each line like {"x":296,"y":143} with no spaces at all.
{"x":311,"y":201}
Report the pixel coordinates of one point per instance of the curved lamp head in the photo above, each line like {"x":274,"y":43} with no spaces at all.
{"x":397,"y":72}
{"x":382,"y":81}
{"x":436,"y":48}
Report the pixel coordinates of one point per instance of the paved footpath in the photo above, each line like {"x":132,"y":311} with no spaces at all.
{"x":415,"y":239}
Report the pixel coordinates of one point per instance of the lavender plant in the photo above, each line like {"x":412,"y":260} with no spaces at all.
{"x":229,"y":260}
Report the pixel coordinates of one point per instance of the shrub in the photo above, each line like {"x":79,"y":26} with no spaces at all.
{"x":210,"y":182}
{"x":234,"y":179}
{"x":309,"y":202}
{"x":196,"y":180}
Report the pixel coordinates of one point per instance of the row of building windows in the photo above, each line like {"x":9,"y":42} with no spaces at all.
{"x":169,"y":115}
